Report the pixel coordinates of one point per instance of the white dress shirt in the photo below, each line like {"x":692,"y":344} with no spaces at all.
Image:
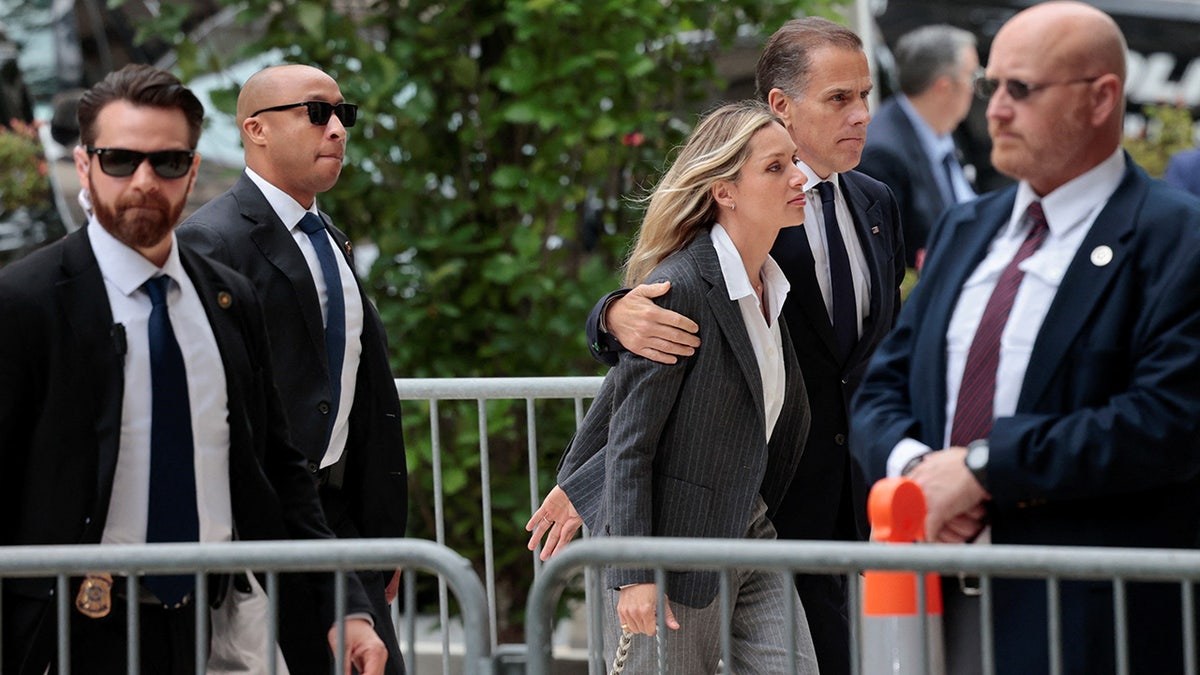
{"x":290,"y":212}
{"x":1070,"y":212}
{"x":124,"y":271}
{"x":764,"y":334}
{"x":814,"y":229}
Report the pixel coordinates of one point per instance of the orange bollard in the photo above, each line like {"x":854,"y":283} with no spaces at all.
{"x":892,"y":627}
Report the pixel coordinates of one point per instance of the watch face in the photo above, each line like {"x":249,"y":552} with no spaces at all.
{"x":977,"y":456}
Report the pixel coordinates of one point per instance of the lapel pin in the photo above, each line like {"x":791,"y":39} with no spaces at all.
{"x":224,"y":300}
{"x":875,"y":230}
{"x":348,"y":246}
{"x":1101,"y":256}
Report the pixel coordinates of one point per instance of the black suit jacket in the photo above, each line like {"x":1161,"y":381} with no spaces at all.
{"x":240,"y":229}
{"x":61,"y":384}
{"x":1104,"y":446}
{"x":827,"y":498}
{"x":894,"y":155}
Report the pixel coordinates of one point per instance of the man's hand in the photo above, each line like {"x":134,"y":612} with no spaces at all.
{"x":637,"y":608}
{"x":364,"y":649}
{"x":648,"y":330}
{"x":393,"y":587}
{"x":953,"y":498}
{"x":557,"y":520}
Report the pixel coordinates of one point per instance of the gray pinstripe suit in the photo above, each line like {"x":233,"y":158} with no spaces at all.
{"x":680,"y":450}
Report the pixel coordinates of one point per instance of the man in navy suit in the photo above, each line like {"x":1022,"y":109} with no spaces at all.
{"x":814,"y":75}
{"x":1042,"y":380}
{"x":340,"y":398}
{"x":909,"y":146}
{"x":1183,"y":170}
{"x":119,"y":429}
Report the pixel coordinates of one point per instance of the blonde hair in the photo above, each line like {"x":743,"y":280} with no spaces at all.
{"x":682,"y":203}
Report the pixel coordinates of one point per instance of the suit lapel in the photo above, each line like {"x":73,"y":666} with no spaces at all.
{"x":1084,"y":285}
{"x":868,"y":223}
{"x":279,"y":248}
{"x":84,"y":305}
{"x":967,"y":239}
{"x":794,"y":255}
{"x":728,"y":316}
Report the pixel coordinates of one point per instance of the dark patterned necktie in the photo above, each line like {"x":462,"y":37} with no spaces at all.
{"x":973,"y":413}
{"x":172,"y":507}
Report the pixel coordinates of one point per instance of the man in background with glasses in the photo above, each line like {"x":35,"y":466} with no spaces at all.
{"x":909,"y":144}
{"x":137,"y":405}
{"x":327,"y":339}
{"x":1041,"y":384}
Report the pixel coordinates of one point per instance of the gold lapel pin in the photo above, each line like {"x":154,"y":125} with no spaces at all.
{"x":348,"y":246}
{"x":224,"y":300}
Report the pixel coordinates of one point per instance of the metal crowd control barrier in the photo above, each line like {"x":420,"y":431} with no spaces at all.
{"x":482,"y":390}
{"x":277,"y":556}
{"x":1053,"y":564}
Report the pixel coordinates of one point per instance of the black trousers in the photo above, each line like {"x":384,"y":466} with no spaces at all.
{"x":167,"y":643}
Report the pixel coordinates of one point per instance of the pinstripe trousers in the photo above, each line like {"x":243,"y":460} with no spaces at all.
{"x":759,"y":641}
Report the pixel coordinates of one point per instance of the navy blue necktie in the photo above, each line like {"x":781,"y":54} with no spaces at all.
{"x":841,"y":283}
{"x":335,"y":307}
{"x":172,"y":508}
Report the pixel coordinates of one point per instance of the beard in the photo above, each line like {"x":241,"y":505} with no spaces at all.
{"x":139,"y":220}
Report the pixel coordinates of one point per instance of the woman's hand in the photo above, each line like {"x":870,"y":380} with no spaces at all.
{"x":637,"y":608}
{"x":557,"y":520}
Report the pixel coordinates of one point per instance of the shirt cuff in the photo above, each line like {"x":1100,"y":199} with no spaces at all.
{"x":902,"y":454}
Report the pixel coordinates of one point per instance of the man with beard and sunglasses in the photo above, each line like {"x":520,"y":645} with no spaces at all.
{"x":137,"y":405}
{"x":328,"y":340}
{"x":1041,"y":384}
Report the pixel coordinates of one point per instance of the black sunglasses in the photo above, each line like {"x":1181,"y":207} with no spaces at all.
{"x":1019,"y":90}
{"x":121,"y":163}
{"x":319,"y":112}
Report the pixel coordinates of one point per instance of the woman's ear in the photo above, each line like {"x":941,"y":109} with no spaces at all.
{"x":722,"y":192}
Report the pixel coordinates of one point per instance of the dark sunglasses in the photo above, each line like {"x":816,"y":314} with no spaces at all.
{"x":121,"y":163}
{"x":319,"y":112}
{"x":1019,"y":90}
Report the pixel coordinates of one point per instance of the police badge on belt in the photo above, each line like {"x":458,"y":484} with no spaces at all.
{"x":95,"y":595}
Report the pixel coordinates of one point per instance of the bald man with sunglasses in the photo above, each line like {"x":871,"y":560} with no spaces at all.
{"x":327,"y":338}
{"x":1041,"y":384}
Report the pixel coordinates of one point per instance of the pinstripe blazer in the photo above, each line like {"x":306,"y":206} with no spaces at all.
{"x":680,"y":450}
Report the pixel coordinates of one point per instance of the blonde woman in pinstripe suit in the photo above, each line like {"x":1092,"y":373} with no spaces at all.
{"x":708,"y":446}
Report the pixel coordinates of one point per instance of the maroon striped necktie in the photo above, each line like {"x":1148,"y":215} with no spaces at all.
{"x":974,"y":411}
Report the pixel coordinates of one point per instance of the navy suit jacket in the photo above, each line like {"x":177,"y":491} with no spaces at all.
{"x":681,"y":450}
{"x":61,"y":384}
{"x":1104,"y":446}
{"x":894,"y":155}
{"x":1183,"y":171}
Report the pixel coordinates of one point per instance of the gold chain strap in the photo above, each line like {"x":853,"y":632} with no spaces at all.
{"x":618,"y":665}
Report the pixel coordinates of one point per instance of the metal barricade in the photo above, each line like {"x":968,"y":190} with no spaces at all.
{"x":340,"y":556}
{"x":1054,"y":564}
{"x":482,"y":390}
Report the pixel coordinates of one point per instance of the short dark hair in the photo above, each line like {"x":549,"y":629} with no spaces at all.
{"x":787,"y":57}
{"x":929,"y":52}
{"x":144,"y":86}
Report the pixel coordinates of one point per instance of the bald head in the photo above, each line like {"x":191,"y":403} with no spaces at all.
{"x":283,"y":145}
{"x":1069,"y":60}
{"x":1073,"y":36}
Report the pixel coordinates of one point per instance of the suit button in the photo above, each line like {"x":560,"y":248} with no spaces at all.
{"x":840,"y":439}
{"x":313,"y":467}
{"x":323,"y":407}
